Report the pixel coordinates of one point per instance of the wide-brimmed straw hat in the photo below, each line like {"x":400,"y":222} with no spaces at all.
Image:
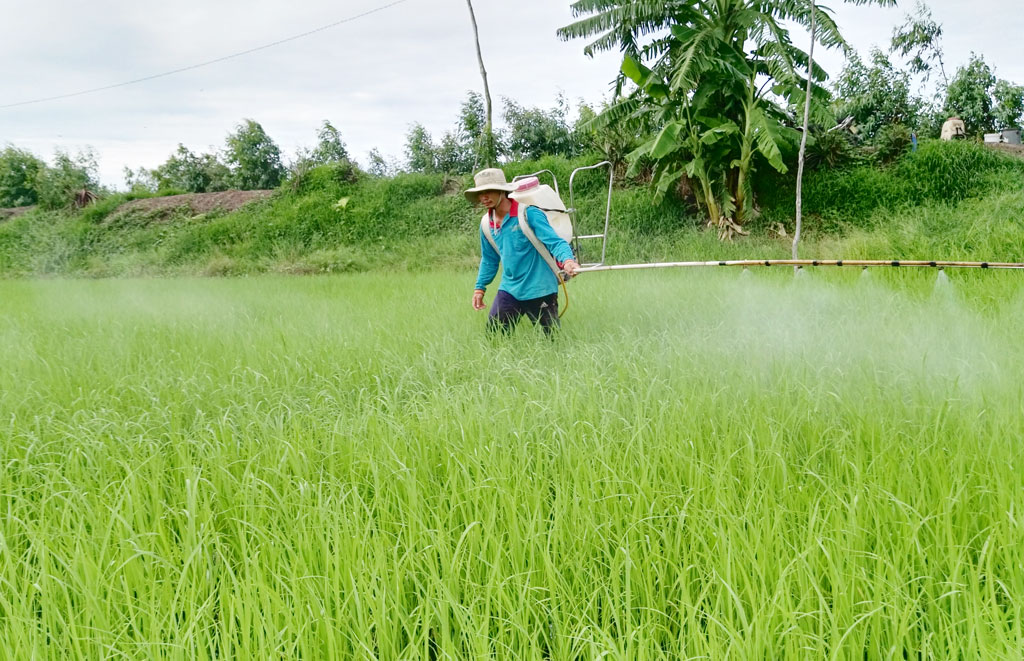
{"x":489,"y":179}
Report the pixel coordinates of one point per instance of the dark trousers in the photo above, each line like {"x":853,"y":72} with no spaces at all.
{"x":507,"y":310}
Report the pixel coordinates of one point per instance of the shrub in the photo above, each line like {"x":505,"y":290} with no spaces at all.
{"x":833,"y":149}
{"x":892,"y":141}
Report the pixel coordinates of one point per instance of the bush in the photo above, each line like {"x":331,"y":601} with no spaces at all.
{"x":892,"y":141}
{"x":833,"y":149}
{"x":20,"y":172}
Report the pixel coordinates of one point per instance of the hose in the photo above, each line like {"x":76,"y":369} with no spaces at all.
{"x":565,"y":290}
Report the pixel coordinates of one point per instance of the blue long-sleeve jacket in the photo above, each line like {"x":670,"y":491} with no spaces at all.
{"x":525,"y":274}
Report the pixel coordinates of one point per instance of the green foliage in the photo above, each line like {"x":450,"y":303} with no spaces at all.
{"x":918,"y":38}
{"x":68,"y":175}
{"x":1008,"y":112}
{"x":472,"y":136}
{"x":969,"y":96}
{"x":378,"y":166}
{"x":830,"y":149}
{"x":187,"y":171}
{"x":460,"y":151}
{"x":20,"y":174}
{"x":613,"y":140}
{"x":530,"y":134}
{"x":861,"y":196}
{"x":141,"y":180}
{"x":988,"y":226}
{"x":255,"y":159}
{"x":534,"y":132}
{"x":714,"y":121}
{"x":419,"y":150}
{"x":336,"y":219}
{"x":892,"y":142}
{"x":875,"y":96}
{"x":330,"y":148}
{"x":958,"y":170}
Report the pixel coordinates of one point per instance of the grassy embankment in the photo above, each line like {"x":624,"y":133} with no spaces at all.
{"x":947,"y":201}
{"x":703,"y":465}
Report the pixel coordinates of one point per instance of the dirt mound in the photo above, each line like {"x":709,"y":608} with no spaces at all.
{"x":196,"y":203}
{"x":1016,"y":150}
{"x":13,"y":212}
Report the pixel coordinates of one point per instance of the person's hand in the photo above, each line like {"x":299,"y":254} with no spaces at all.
{"x":478,"y":299}
{"x":570,"y":267}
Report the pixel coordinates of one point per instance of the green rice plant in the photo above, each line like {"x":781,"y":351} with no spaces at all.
{"x":702,"y":464}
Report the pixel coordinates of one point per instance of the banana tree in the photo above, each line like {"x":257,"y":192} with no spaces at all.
{"x":710,"y":83}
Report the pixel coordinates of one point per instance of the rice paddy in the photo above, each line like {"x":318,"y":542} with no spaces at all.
{"x":701,"y":465}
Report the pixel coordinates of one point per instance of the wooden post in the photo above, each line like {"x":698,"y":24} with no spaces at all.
{"x":803,"y":141}
{"x":490,"y":157}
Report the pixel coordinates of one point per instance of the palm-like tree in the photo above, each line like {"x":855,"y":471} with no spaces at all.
{"x":712,"y":77}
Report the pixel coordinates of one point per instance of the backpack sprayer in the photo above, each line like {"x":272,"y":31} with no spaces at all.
{"x":530,"y":192}
{"x":564,"y":220}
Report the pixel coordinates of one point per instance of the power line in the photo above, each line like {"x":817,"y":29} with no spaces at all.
{"x":208,"y":62}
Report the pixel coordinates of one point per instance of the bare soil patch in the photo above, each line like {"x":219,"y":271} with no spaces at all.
{"x":13,"y":212}
{"x":196,"y":203}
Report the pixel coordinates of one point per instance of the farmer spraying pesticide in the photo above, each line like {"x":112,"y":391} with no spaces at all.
{"x":520,"y":238}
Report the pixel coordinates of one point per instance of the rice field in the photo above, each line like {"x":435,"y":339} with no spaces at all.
{"x":701,"y":465}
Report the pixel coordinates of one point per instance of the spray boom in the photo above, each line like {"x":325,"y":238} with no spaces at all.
{"x":806,"y":262}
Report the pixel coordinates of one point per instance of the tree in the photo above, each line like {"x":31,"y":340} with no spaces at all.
{"x":68,"y":175}
{"x":419,"y":150}
{"x":918,"y":39}
{"x":614,"y":141}
{"x":708,"y":80}
{"x":194,"y":173}
{"x":20,"y":173}
{"x":473,"y":129}
{"x":254,"y":158}
{"x":330,"y":148}
{"x":875,"y":96}
{"x":621,"y":24}
{"x":533,"y":132}
{"x":454,"y":154}
{"x":969,"y":96}
{"x":380,"y":166}
{"x":1009,"y":105}
{"x":141,"y":180}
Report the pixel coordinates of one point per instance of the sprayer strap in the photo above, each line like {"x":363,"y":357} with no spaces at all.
{"x":485,"y":227}
{"x":545,"y":254}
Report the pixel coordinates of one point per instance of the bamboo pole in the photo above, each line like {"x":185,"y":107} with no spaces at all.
{"x":808,"y":262}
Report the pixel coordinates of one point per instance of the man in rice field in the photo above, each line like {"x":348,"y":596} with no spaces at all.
{"x":528,"y":285}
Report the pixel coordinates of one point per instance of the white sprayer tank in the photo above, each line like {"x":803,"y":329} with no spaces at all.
{"x":532,"y":193}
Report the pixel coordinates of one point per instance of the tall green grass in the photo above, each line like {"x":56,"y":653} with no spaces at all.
{"x":701,"y":465}
{"x":333,"y":220}
{"x":865,"y":197}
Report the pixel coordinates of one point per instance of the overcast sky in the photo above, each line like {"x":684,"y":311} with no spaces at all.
{"x":372,"y":77}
